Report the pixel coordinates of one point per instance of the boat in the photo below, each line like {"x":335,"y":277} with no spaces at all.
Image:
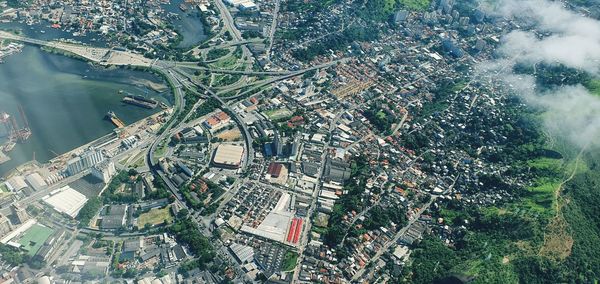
{"x":140,"y":101}
{"x":112,"y":117}
{"x":8,"y":146}
{"x":110,"y":114}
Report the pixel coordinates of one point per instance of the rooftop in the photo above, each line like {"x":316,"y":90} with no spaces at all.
{"x":228,"y":155}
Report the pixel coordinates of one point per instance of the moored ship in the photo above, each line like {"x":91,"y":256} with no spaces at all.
{"x":140,"y":101}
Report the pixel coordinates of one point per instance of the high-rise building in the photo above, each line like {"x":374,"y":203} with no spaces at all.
{"x":5,"y":225}
{"x":295,"y":146}
{"x":20,"y":213}
{"x":446,"y":6}
{"x":277,"y":145}
{"x":104,"y":170}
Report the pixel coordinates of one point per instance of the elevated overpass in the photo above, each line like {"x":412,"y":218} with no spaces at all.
{"x":226,"y":71}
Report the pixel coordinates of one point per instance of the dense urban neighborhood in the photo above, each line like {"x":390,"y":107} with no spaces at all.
{"x":320,"y":141}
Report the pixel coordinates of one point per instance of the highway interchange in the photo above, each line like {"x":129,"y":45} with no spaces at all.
{"x":181,"y":79}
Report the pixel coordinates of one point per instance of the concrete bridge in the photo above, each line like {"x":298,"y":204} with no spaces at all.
{"x":241,"y":72}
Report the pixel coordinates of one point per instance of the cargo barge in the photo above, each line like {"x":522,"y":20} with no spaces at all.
{"x":140,"y":101}
{"x":112,"y":117}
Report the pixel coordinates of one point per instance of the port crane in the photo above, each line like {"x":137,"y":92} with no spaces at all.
{"x":15,"y":133}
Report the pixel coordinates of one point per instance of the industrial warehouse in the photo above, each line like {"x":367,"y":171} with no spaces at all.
{"x":66,"y":200}
{"x":228,"y":156}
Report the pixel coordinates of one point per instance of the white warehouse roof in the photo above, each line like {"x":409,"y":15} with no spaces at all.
{"x":66,"y":200}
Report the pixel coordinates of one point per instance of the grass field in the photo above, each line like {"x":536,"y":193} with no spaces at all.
{"x":34,"y":238}
{"x":155,"y":217}
{"x":225,"y":62}
{"x":594,"y":87}
{"x":289,"y":261}
{"x":418,"y":5}
{"x":139,"y":162}
{"x":276,"y":114}
{"x":540,"y":196}
{"x":160,"y":150}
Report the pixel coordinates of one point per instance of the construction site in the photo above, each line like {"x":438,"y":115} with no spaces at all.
{"x":14,"y":133}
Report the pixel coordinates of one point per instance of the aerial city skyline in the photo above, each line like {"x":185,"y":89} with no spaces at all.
{"x":282,"y":141}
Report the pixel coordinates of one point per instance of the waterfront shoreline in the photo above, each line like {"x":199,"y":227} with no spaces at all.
{"x":65,"y":109}
{"x":61,"y":158}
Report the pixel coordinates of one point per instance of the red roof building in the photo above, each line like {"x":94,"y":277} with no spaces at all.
{"x":275,"y":169}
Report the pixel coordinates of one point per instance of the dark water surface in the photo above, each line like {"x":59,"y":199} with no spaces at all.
{"x":65,"y":101}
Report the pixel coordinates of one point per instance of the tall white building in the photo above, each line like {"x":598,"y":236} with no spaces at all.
{"x":104,"y":170}
{"x":87,"y":160}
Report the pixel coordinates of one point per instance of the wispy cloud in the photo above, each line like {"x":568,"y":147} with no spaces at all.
{"x":562,"y":37}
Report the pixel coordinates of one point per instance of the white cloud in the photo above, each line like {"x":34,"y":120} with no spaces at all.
{"x":570,"y":39}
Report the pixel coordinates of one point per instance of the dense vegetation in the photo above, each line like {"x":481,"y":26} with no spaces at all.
{"x":205,"y":108}
{"x":216,"y":53}
{"x":12,"y":256}
{"x":88,"y":211}
{"x":251,"y":34}
{"x":196,"y":199}
{"x":347,"y":203}
{"x":510,"y":245}
{"x":380,"y":118}
{"x":187,"y":232}
{"x":336,"y":42}
{"x":547,"y":232}
{"x":352,"y":201}
{"x":119,"y":189}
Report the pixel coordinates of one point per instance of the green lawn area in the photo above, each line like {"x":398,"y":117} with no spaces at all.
{"x":388,"y":5}
{"x":276,"y":114}
{"x":160,"y":150}
{"x":225,"y":62}
{"x":545,"y":163}
{"x":34,"y":238}
{"x":540,"y":196}
{"x":289,"y":261}
{"x":418,"y":5}
{"x":216,"y":53}
{"x":593,"y":86}
{"x":3,"y":187}
{"x":155,"y":217}
{"x":319,"y":230}
{"x":139,"y":162}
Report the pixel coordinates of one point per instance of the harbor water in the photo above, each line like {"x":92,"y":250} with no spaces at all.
{"x":65,"y":100}
{"x":189,"y":25}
